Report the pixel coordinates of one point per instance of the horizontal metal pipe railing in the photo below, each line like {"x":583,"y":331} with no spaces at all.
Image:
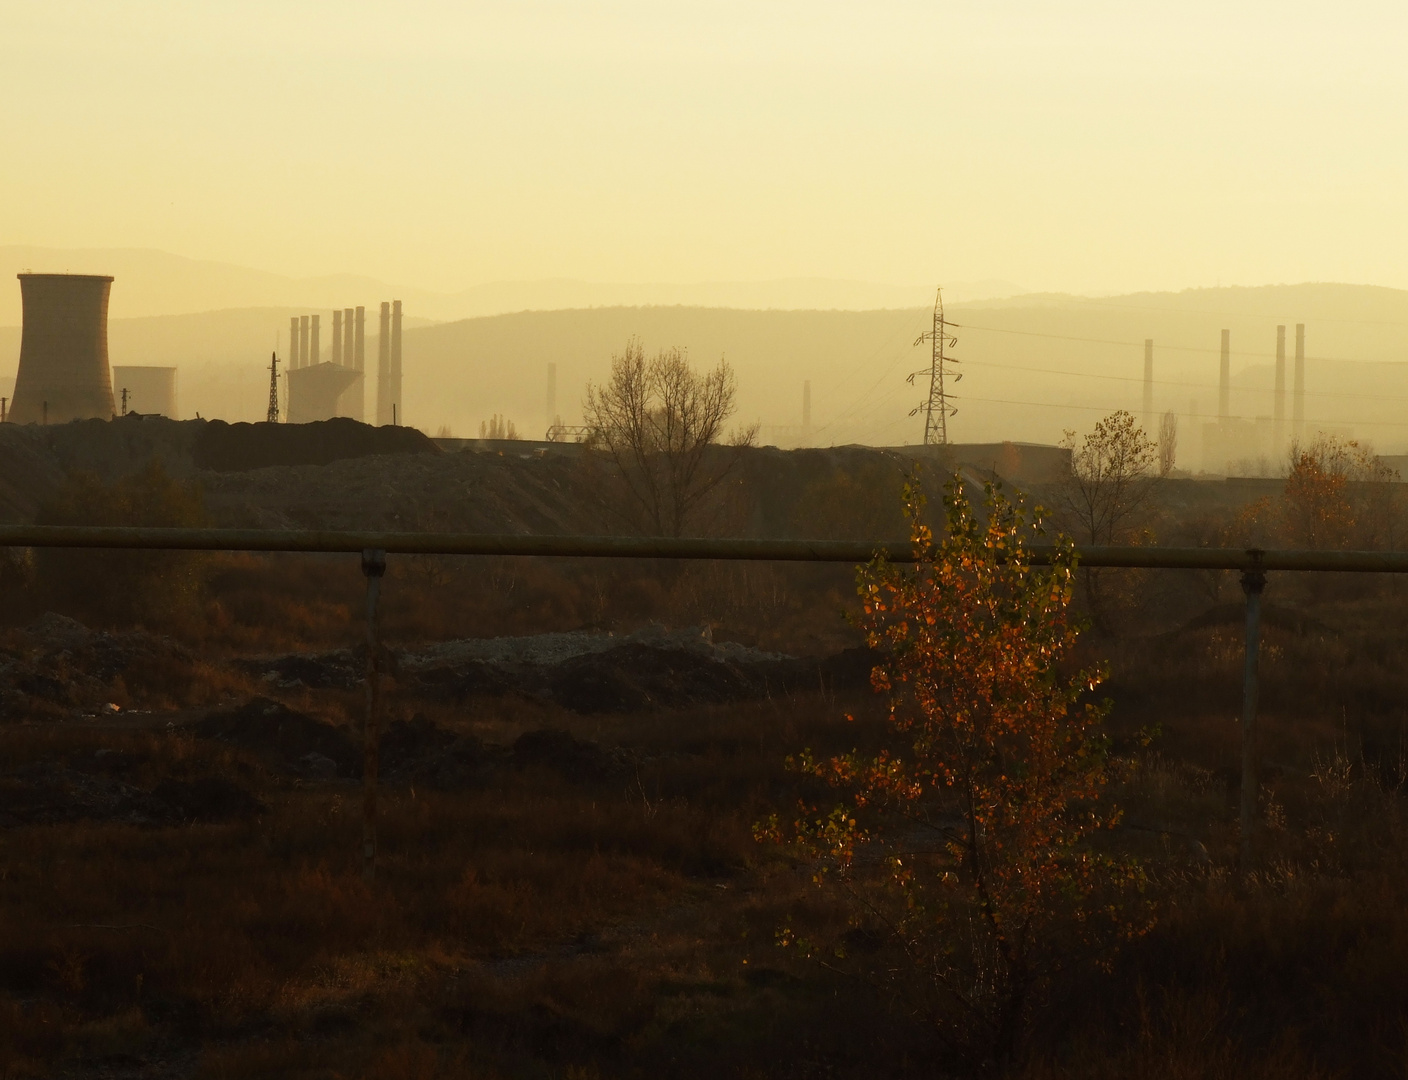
{"x":630,"y":547}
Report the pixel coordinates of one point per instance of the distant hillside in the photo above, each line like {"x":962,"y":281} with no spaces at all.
{"x":1029,"y":371}
{"x":1032,"y":367}
{"x":157,"y":283}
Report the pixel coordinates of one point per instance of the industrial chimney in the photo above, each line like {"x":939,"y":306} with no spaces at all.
{"x":806,"y":412}
{"x":353,"y":356}
{"x":1224,"y":379}
{"x":315,"y":351}
{"x":337,"y":337}
{"x":1148,"y":383}
{"x":63,"y":373}
{"x":552,"y":395}
{"x":398,"y":414}
{"x":383,"y":367}
{"x":1280,"y":403}
{"x":1298,"y":399}
{"x":360,"y":353}
{"x":303,"y":341}
{"x":292,"y":361}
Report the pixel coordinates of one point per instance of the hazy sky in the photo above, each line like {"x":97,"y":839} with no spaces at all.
{"x":1086,"y":146}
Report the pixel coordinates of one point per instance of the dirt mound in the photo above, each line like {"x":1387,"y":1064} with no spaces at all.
{"x":419,"y":752}
{"x":438,"y":492}
{"x":636,"y":677}
{"x":562,"y":752}
{"x":211,"y":798}
{"x":223,"y":447}
{"x":282,"y":735}
{"x":336,"y":670}
{"x":344,"y":669}
{"x":603,"y":674}
{"x":414,"y":751}
{"x":45,"y":793}
{"x":58,"y":665}
{"x":474,"y":678}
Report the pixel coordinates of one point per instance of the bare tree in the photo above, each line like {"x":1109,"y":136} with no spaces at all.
{"x":661,"y":425}
{"x":1109,"y":484}
{"x":1168,"y":443}
{"x":497,"y":427}
{"x":1110,"y":478}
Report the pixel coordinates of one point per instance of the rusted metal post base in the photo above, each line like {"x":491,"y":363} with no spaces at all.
{"x":1253,"y":582}
{"x":373,"y":568}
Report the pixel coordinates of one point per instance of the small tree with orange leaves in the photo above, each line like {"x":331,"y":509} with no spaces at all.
{"x":1322,"y":510}
{"x":982,"y":806}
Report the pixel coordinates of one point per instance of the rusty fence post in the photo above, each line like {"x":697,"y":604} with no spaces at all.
{"x":1253,"y":582}
{"x":373,"y":568}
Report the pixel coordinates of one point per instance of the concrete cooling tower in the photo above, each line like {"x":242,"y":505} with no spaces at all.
{"x":63,"y":373}
{"x":151,"y":391}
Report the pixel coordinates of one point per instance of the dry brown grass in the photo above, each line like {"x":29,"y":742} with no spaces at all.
{"x":533,"y":927}
{"x":545,"y":926}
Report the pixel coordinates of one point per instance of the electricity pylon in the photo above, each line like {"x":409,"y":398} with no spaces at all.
{"x":936,"y":407}
{"x":273,"y":388}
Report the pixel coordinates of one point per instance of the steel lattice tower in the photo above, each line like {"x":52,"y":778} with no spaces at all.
{"x":936,"y":407}
{"x":273,"y":388}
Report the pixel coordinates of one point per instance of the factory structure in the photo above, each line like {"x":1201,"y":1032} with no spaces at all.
{"x":144,"y":390}
{"x":319,"y":389}
{"x":63,"y":373}
{"x":1229,"y":441}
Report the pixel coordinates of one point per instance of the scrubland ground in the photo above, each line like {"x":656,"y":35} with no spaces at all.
{"x":594,"y":904}
{"x":568,"y":884}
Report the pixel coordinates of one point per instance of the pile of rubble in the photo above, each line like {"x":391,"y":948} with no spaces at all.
{"x":54,"y":793}
{"x":58,"y":667}
{"x":585,"y":672}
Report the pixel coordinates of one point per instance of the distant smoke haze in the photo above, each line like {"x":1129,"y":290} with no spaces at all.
{"x":1033,"y":366}
{"x":152,"y":283}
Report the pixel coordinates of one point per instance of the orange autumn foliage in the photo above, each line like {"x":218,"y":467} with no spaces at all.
{"x":988,"y":791}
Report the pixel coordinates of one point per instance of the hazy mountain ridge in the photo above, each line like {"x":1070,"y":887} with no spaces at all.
{"x":156,"y":283}
{"x":1031,"y":369}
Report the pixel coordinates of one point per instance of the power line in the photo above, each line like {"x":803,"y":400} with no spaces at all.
{"x":1164,"y":382}
{"x":860,"y":401}
{"x":1140,"y":345}
{"x":863,"y":403}
{"x":1077,"y":303}
{"x":1191,"y":416}
{"x":1083,"y":303}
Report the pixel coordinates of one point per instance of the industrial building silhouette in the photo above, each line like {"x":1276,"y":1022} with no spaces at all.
{"x":321,"y":390}
{"x":63,"y":372}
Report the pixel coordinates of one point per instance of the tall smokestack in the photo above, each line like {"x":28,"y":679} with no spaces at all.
{"x":383,"y":368}
{"x":303,"y":341}
{"x":398,"y":413}
{"x":63,"y":373}
{"x":1224,"y":379}
{"x":552,"y":394}
{"x":337,"y":336}
{"x":1148,"y":384}
{"x":347,"y":356}
{"x":291,"y":357}
{"x":806,"y":412}
{"x":315,"y":351}
{"x":357,"y":356}
{"x":1280,"y":404}
{"x":1298,"y":398}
